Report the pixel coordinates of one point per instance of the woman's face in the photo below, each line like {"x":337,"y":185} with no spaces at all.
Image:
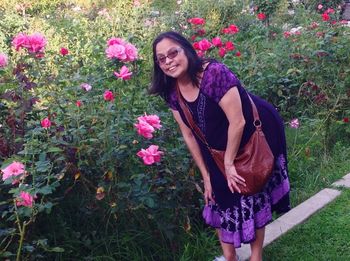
{"x":171,"y":58}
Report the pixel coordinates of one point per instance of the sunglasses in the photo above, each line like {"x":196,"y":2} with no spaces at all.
{"x":161,"y":59}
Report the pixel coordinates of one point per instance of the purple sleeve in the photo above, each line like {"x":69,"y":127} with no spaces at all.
{"x":217,"y":80}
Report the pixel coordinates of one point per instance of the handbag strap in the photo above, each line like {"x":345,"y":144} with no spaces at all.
{"x":197,"y":130}
{"x":189,"y":118}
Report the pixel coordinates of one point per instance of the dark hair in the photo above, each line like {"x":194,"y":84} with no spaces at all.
{"x":163,"y":84}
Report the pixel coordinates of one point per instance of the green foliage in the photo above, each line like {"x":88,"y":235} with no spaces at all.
{"x":267,"y":7}
{"x":313,"y":4}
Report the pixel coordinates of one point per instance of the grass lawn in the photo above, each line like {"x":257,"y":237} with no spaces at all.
{"x":325,"y":236}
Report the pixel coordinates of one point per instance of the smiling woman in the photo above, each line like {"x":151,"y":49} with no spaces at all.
{"x":214,"y":111}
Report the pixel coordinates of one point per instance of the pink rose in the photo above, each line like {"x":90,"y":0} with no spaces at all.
{"x":36,"y":43}
{"x":64,"y":51}
{"x":144,"y":129}
{"x":150,"y":155}
{"x":152,"y":120}
{"x":238,"y":53}
{"x":85,"y":86}
{"x":222,"y":52}
{"x":124,"y":73}
{"x":19,"y":41}
{"x":108,"y":95}
{"x":319,"y":7}
{"x":46,"y":123}
{"x":204,"y":45}
{"x":294,"y":124}
{"x":217,"y":41}
{"x":3,"y":60}
{"x":116,"y":51}
{"x":14,"y":169}
{"x":25,"y":199}
{"x":115,"y":40}
{"x":131,"y":52}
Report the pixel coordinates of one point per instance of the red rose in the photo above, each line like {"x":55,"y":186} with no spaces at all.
{"x":261,"y":16}
{"x":229,"y":46}
{"x":64,"y":51}
{"x":196,"y":21}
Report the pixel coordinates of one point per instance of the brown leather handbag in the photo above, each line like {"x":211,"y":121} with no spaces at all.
{"x":254,"y":162}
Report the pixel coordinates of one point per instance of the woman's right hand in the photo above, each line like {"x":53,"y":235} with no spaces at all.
{"x":233,"y":179}
{"x":208,"y":192}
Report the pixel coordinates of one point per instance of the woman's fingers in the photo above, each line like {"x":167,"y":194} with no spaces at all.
{"x":240,"y":178}
{"x":208,"y":196}
{"x":212,"y":198}
{"x":233,"y":186}
{"x":241,"y":182}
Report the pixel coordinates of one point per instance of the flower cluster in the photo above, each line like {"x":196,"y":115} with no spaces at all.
{"x":147,"y":124}
{"x":145,"y":127}
{"x":204,"y":45}
{"x":231,"y":29}
{"x":150,"y":155}
{"x":34,"y":43}
{"x":326,"y":15}
{"x":16,"y":171}
{"x":121,"y":50}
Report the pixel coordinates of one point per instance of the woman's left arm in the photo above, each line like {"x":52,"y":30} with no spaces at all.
{"x":232,"y":107}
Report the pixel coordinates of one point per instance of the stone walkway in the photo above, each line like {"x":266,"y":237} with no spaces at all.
{"x":298,"y":215}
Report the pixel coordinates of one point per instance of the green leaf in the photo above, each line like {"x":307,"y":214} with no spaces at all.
{"x":6,"y":254}
{"x":57,"y":249}
{"x":54,"y":149}
{"x":45,"y":190}
{"x":149,"y":202}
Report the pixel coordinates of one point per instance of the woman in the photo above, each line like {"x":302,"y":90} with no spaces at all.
{"x":221,"y":109}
